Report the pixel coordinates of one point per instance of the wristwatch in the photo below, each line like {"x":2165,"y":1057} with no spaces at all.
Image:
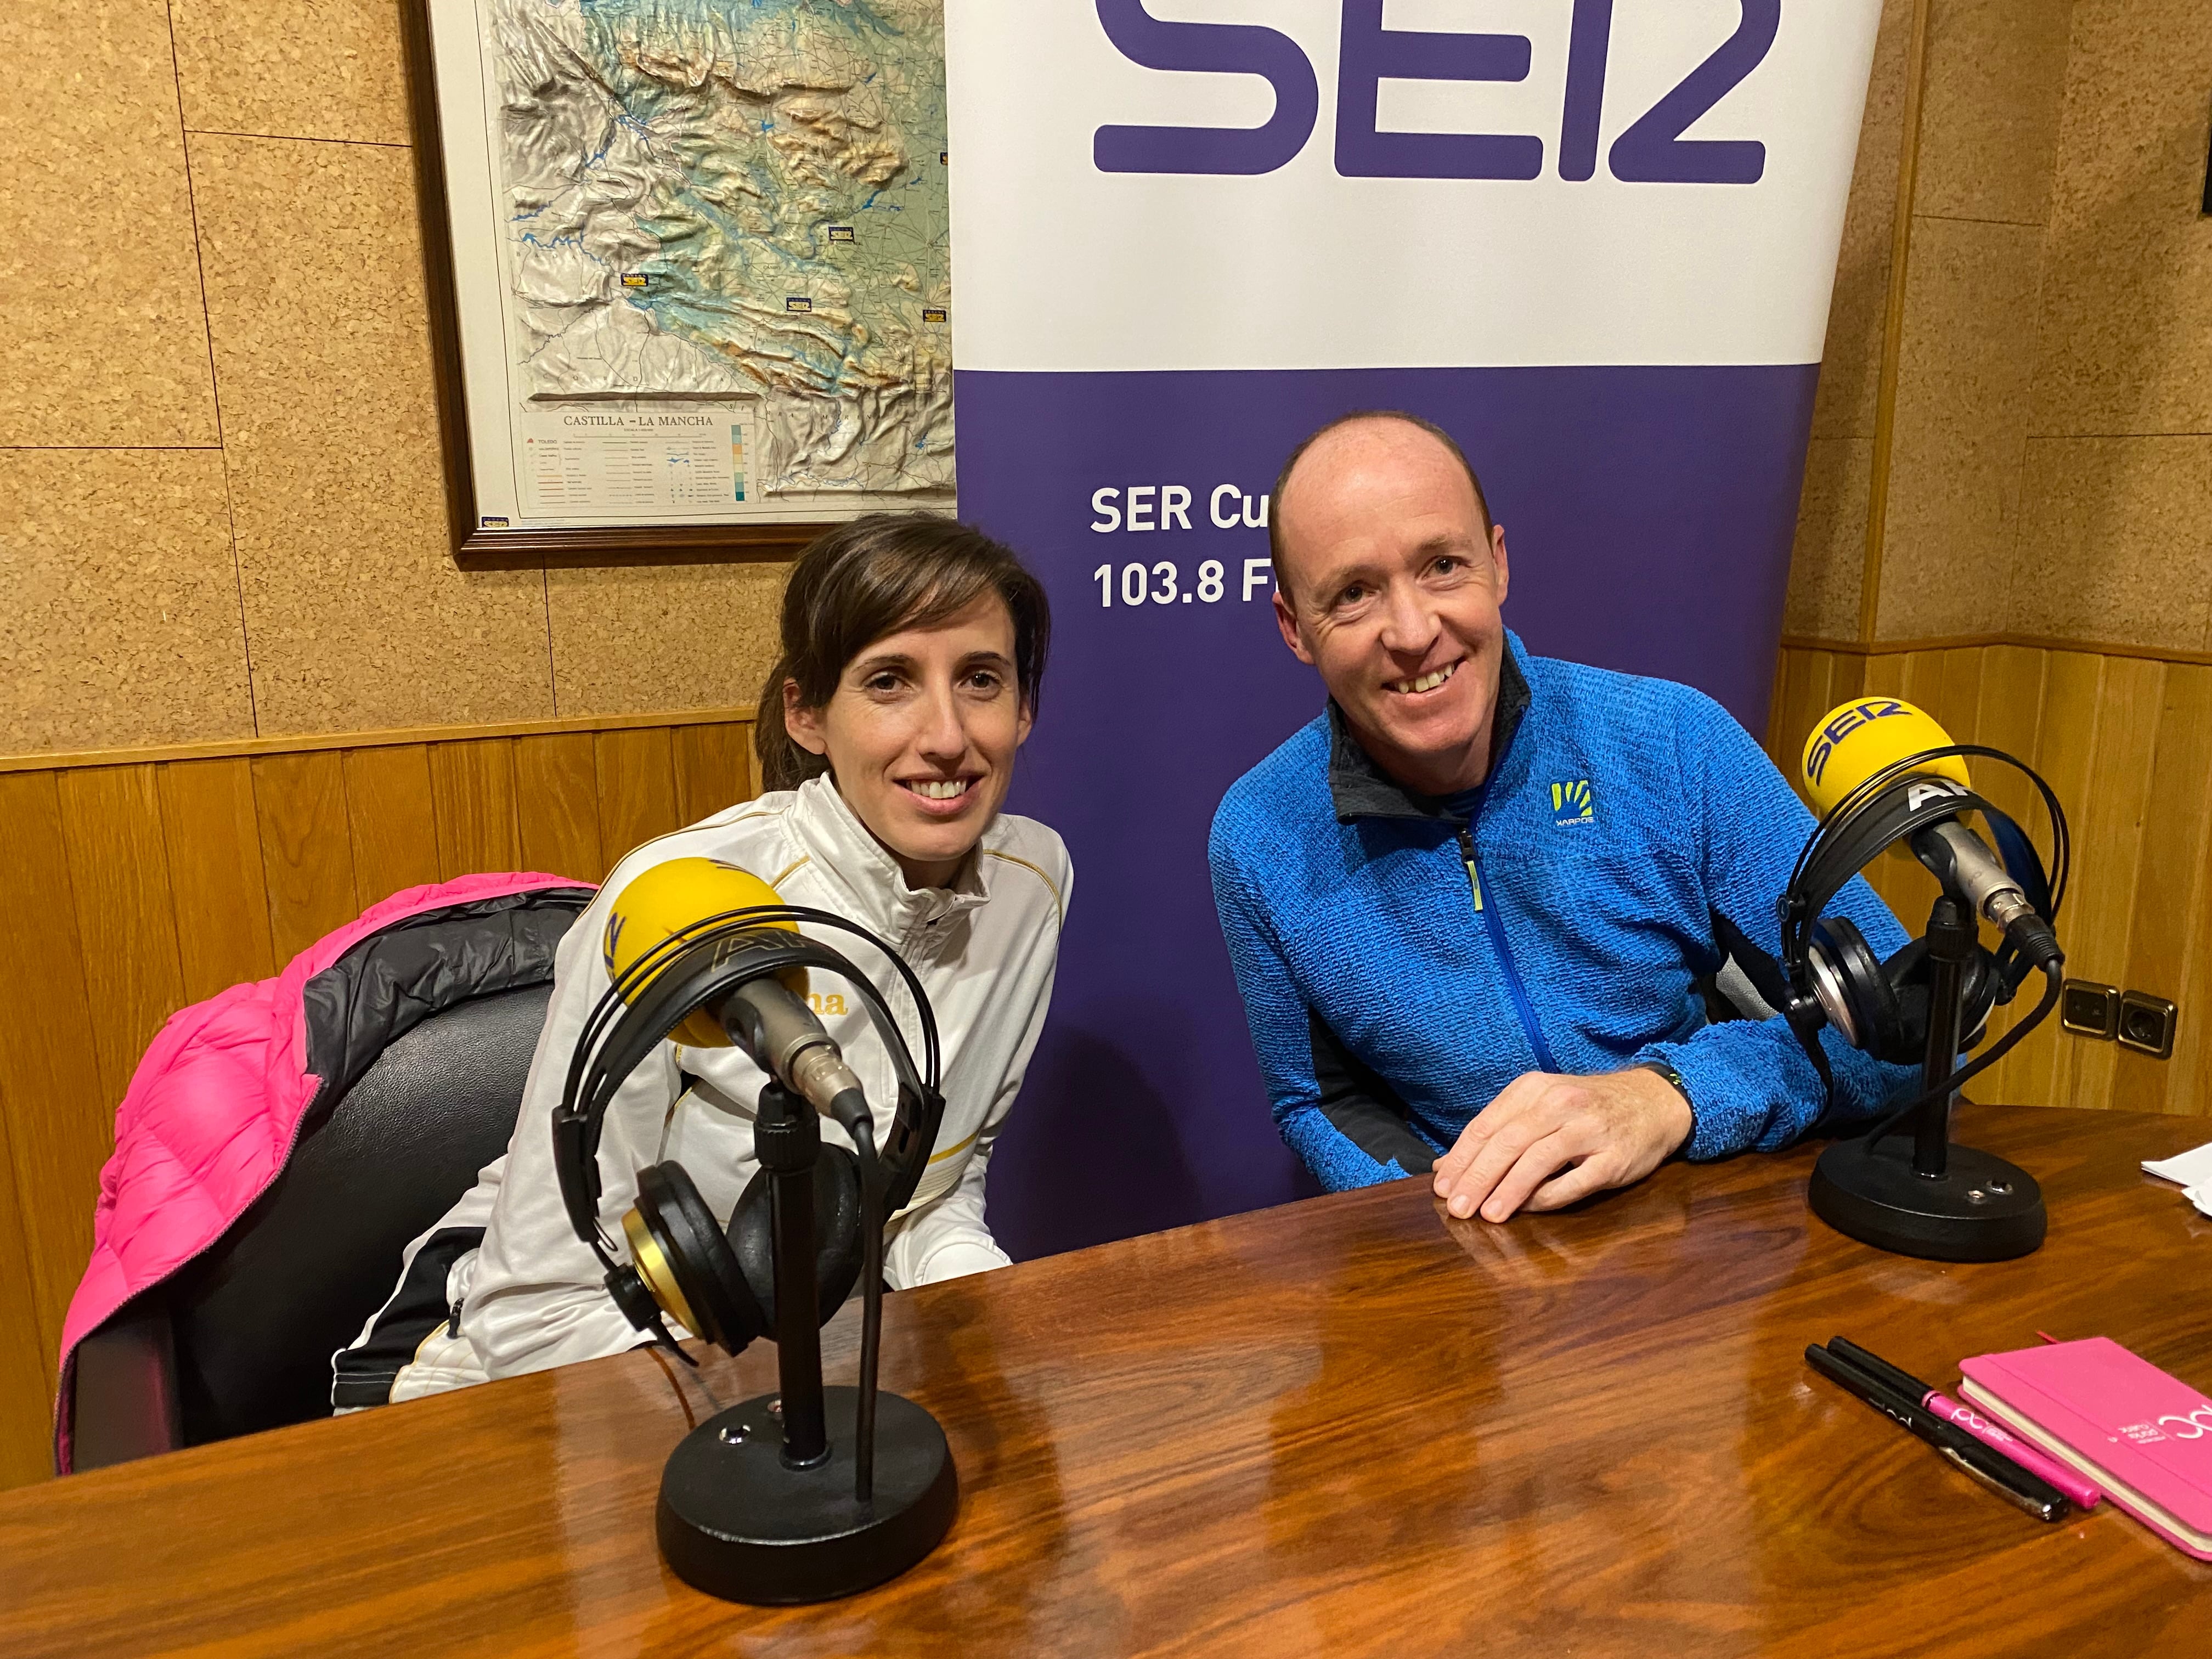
{"x":1682,"y":1089}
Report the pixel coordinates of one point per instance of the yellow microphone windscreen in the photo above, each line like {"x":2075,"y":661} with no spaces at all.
{"x":1857,"y":738}
{"x":667,"y":899}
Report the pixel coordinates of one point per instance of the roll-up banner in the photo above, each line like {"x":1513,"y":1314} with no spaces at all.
{"x":1593,"y":239}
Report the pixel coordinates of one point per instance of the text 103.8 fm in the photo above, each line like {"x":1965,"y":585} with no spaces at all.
{"x":1168,"y":508}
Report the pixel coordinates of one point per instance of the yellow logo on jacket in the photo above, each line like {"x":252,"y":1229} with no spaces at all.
{"x":1571,"y":802}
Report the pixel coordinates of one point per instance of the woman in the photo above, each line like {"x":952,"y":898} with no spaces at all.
{"x":913,"y":648}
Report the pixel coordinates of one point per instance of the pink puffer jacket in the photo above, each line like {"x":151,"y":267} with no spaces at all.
{"x":211,"y":1115}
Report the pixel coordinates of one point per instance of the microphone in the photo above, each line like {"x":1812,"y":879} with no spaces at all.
{"x":1857,"y":739}
{"x":766,"y":1018}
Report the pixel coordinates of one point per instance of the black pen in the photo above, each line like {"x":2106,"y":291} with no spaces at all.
{"x":1999,"y":1474}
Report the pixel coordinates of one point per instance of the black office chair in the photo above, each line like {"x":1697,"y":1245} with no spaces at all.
{"x":423,"y":1034}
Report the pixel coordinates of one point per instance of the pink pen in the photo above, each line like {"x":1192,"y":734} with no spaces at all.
{"x":2079,"y":1492}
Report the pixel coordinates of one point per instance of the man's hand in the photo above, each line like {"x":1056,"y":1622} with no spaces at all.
{"x":1609,"y":1131}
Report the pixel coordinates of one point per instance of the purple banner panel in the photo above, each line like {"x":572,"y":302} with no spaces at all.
{"x":1648,"y":514}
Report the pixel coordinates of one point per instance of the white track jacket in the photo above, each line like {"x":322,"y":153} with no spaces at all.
{"x":530,"y":1295}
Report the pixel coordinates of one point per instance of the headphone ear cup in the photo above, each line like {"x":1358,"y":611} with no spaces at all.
{"x":1867,"y":989}
{"x":713,"y":1300}
{"x":1908,"y":973}
{"x":1979,"y":997}
{"x":837,"y":1218}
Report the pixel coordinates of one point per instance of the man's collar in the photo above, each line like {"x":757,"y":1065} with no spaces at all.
{"x":1361,"y":789}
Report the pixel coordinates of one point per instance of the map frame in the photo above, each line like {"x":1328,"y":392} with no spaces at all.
{"x":476,"y":541}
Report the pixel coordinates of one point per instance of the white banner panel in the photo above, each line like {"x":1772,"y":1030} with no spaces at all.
{"x":1064,"y":266}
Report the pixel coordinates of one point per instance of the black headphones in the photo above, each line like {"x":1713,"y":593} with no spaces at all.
{"x":719,"y":1282}
{"x":1881,"y":1007}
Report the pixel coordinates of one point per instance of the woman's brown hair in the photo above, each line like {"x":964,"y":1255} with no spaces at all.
{"x":875,"y":576}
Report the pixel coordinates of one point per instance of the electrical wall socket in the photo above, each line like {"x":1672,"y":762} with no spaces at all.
{"x":2134,"y":1019}
{"x":2147,"y":1024}
{"x":2088,"y":1009}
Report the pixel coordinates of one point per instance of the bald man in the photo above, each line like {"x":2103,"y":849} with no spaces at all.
{"x":1470,"y":905}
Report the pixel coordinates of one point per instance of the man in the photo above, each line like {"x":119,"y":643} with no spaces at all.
{"x":1467,"y":906}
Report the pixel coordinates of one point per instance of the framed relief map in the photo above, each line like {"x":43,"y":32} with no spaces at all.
{"x":690,"y":268}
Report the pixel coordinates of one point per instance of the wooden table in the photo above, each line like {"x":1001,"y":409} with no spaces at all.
{"x":1345,"y":1426}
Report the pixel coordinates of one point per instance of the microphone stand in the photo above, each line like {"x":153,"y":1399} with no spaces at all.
{"x":1926,"y":1197}
{"x":772,"y":1516}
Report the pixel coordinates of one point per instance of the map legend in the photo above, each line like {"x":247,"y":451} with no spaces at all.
{"x":632,"y":464}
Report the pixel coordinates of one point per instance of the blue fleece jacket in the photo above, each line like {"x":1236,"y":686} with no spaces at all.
{"x":1403,"y":959}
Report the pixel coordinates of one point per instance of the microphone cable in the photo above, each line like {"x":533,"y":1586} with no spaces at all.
{"x":2054,"y":976}
{"x":872,"y":1308}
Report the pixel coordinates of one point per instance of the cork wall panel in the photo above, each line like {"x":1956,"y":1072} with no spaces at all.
{"x":358,"y":617}
{"x":1963,"y":400}
{"x":1850,"y":361}
{"x":2127,"y":306}
{"x":1830,"y":551}
{"x":107,"y":344}
{"x":293,"y":68}
{"x":122,"y":619}
{"x":1988,"y":118}
{"x":645,"y":637}
{"x":2113,"y":544}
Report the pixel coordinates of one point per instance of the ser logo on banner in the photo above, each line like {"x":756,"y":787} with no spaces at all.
{"x":1652,"y":150}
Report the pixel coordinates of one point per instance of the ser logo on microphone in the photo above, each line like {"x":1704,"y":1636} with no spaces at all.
{"x":1845,"y":723}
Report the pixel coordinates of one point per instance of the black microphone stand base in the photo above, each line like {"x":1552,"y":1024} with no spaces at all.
{"x":1981,"y":1208}
{"x":735,"y":1523}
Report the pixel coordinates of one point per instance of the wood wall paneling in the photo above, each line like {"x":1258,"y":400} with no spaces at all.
{"x":306,"y":847}
{"x":2101,"y":910}
{"x":132,"y":884}
{"x":125,"y":921}
{"x":2167,"y":953}
{"x":637,"y":790}
{"x":714,"y":768}
{"x":392,"y":819}
{"x":26,"y":1381}
{"x":2125,"y":740}
{"x":216,"y":883}
{"x":557,"y":792}
{"x":473,"y":784}
{"x":2065,"y":750}
{"x":59,"y":1117}
{"x":2010,"y":718}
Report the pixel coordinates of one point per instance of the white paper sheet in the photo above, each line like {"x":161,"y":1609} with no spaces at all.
{"x":2188,"y":1168}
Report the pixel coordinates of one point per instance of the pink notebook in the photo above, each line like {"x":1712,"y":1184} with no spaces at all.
{"x":2144,"y":1436}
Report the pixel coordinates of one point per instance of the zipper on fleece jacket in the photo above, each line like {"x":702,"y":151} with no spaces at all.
{"x":1496,"y":924}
